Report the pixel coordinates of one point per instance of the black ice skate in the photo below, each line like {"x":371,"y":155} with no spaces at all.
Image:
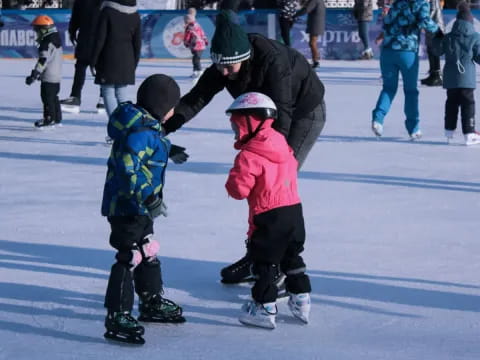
{"x":238,"y":272}
{"x":155,"y":308}
{"x":434,"y":79}
{"x":44,"y":123}
{"x":123,"y":327}
{"x":70,"y":105}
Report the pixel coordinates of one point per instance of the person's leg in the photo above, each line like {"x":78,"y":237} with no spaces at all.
{"x":409,"y":69}
{"x":197,"y":65}
{"x":78,"y":79}
{"x":49,"y":93}
{"x":451,"y":109}
{"x":121,"y":93}
{"x":44,"y":97}
{"x":58,"y":109}
{"x":314,"y":49}
{"x":363,"y":33}
{"x":305,"y":131}
{"x":390,"y":70}
{"x":467,"y":106}
{"x":285,"y":26}
{"x":108,"y":94}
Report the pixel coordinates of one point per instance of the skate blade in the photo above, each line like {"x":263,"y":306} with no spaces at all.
{"x":241,"y":281}
{"x":266,"y":326}
{"x":132,"y":339}
{"x":173,"y":320}
{"x":70,"y":109}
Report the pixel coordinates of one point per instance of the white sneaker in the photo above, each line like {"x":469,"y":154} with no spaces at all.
{"x":416,"y":135}
{"x":449,"y":135}
{"x":367,"y":54}
{"x":377,"y":128}
{"x":299,"y":305}
{"x":472,"y":138}
{"x":256,"y":314}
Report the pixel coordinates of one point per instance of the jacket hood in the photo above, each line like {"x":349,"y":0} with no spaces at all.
{"x":462,"y":28}
{"x":125,"y":6}
{"x":267,"y":142}
{"x":129,"y":118}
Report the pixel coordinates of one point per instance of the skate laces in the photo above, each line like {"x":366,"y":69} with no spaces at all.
{"x":125,"y":318}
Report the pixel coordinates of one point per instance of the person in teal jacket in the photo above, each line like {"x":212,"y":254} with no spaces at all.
{"x":461,"y":48}
{"x":399,"y":54}
{"x":132,"y":198}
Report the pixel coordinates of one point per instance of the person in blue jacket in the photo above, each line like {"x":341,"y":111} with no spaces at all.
{"x":399,"y":54}
{"x":461,"y":48}
{"x":132,"y":198}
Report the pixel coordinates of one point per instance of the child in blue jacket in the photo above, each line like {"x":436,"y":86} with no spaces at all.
{"x":132,"y":198}
{"x":461,"y":48}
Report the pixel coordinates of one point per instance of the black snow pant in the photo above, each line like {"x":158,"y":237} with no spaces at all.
{"x":79,"y":79}
{"x":433,"y":60}
{"x":196,"y":56}
{"x":463,"y":99}
{"x":305,"y":130}
{"x":129,"y":233}
{"x":276,"y":244}
{"x":51,"y":104}
{"x":285,"y":27}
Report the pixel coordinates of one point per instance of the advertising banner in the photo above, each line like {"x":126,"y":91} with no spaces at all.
{"x":162,"y":32}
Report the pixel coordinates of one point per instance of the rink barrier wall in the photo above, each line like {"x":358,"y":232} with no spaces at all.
{"x":162,"y":32}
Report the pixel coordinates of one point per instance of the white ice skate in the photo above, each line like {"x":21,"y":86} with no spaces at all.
{"x":377,"y":128}
{"x":260,"y":315}
{"x":416,"y":135}
{"x":70,"y":105}
{"x":367,"y":54}
{"x":299,"y":305}
{"x":472,"y":138}
{"x":449,"y":135}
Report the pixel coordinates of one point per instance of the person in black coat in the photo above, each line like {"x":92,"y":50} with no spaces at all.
{"x":81,"y":30}
{"x":116,"y":50}
{"x":244,"y":63}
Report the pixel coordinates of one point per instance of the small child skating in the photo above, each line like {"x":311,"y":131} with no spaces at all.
{"x":132,"y":198}
{"x":265,"y":173}
{"x":48,"y":69}
{"x":194,"y":39}
{"x":461,"y":48}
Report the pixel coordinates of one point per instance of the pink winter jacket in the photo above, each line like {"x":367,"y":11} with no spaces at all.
{"x":194,"y":37}
{"x":264,"y":172}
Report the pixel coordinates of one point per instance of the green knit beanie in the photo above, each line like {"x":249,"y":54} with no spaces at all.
{"x":230,"y":43}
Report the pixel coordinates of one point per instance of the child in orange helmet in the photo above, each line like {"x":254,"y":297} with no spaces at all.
{"x":48,"y":69}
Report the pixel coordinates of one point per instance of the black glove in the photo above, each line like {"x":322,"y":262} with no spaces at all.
{"x":156,"y":206}
{"x":34,"y":75}
{"x":174,"y":123}
{"x":178,"y":154}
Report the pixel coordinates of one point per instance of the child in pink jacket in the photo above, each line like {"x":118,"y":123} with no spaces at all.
{"x":265,"y":173}
{"x":195,"y":40}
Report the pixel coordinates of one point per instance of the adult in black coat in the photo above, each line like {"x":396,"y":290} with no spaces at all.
{"x":81,"y":30}
{"x":116,"y":50}
{"x":244,"y":63}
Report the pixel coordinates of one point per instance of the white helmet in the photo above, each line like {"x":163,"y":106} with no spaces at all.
{"x":254,"y":102}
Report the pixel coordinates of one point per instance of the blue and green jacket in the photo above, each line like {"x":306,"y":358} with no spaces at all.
{"x":461,"y":47}
{"x":137,"y":162}
{"x":403,"y":23}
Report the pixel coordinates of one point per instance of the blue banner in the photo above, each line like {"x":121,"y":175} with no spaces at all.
{"x":162,"y":32}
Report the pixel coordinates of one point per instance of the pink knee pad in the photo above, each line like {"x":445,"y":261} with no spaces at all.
{"x":151,"y":248}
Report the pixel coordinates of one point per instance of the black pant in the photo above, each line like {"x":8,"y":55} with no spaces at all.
{"x":128,"y":233}
{"x":196,"y":56}
{"x":285,"y":27}
{"x":463,"y":98}
{"x":277,"y":243}
{"x":51,"y":103}
{"x":79,"y":79}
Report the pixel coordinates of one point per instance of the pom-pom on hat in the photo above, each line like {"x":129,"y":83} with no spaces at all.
{"x":158,"y":94}
{"x":230,"y":43}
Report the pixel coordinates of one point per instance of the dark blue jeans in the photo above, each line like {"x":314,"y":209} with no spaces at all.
{"x":363,"y":33}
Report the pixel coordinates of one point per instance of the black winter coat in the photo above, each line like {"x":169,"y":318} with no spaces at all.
{"x":274,"y":69}
{"x":82,"y":26}
{"x":117,"y":45}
